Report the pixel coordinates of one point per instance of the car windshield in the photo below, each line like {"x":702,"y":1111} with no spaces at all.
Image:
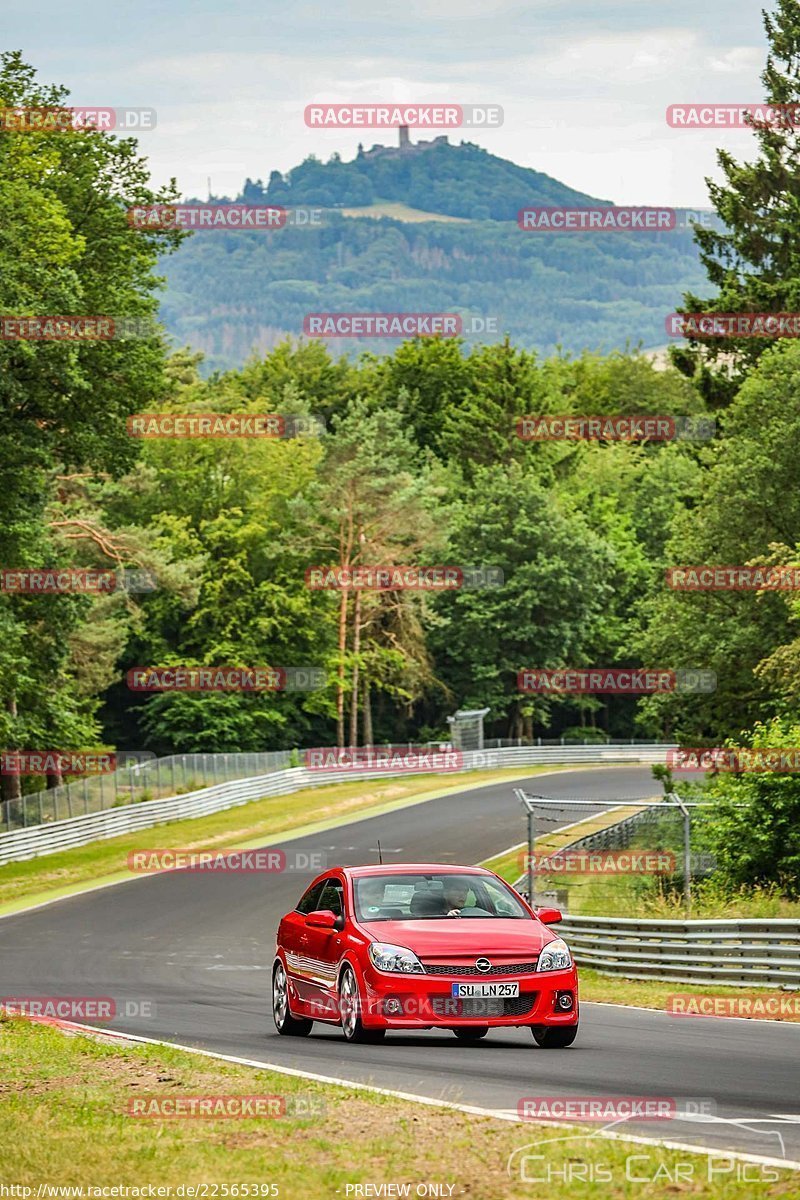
{"x":428,"y":897}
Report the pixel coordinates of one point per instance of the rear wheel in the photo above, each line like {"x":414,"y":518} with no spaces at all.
{"x":350,"y":1009}
{"x":285,"y":1023}
{"x":554,"y":1037}
{"x":473,"y":1034}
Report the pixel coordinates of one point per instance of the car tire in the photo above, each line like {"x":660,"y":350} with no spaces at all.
{"x":285,"y":1023}
{"x":473,"y":1034}
{"x":554,"y":1037}
{"x":350,"y":1008}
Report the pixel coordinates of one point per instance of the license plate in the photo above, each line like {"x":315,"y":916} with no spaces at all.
{"x":500,"y":991}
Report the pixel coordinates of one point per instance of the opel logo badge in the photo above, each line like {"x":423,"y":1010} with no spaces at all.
{"x":483,"y":965}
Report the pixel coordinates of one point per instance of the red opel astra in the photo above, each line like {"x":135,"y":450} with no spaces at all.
{"x":422,"y":946}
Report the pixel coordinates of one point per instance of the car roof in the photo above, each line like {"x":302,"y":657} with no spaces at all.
{"x":411,"y":869}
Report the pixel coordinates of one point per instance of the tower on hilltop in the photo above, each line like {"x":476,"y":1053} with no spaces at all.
{"x":405,"y":141}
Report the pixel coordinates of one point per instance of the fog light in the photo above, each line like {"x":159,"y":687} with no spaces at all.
{"x":564,"y":1001}
{"x":392,"y":1008}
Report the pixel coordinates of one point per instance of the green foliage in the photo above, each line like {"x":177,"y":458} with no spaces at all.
{"x":758,"y":844}
{"x":234,"y":294}
{"x":754,"y":260}
{"x":747,"y":509}
{"x":461,"y":181}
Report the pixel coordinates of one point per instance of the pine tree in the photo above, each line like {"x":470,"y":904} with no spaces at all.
{"x":754,"y":262}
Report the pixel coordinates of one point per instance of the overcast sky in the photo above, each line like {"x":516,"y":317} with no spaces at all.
{"x":584,"y":85}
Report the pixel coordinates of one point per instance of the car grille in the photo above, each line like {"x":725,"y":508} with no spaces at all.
{"x":476,"y":1007}
{"x":517,"y":1006}
{"x":501,"y":969}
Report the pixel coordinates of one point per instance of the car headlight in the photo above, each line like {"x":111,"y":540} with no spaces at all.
{"x":555,"y":957}
{"x":387,"y":957}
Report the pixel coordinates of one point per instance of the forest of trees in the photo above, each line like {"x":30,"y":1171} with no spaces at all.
{"x":231,"y":294}
{"x":419,"y":463}
{"x":461,"y":181}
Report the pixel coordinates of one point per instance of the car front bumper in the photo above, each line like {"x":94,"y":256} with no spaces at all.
{"x":395,"y":1001}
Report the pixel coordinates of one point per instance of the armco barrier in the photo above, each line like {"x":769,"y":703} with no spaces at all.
{"x":38,"y":840}
{"x":737,"y":953}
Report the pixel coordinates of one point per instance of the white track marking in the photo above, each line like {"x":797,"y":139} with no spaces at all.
{"x":498,"y":1114}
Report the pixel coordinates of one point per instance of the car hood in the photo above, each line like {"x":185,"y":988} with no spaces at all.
{"x":458,"y":937}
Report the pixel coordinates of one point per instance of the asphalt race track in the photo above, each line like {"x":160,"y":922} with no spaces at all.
{"x":198,"y":949}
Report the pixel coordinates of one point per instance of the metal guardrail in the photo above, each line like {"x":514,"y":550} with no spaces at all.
{"x":737,"y":953}
{"x":149,"y":779}
{"x":157,"y":778}
{"x":48,"y":838}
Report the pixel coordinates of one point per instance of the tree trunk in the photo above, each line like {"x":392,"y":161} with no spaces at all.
{"x":11,"y":784}
{"x":354,"y":683}
{"x":340,"y":680}
{"x":368,"y":735}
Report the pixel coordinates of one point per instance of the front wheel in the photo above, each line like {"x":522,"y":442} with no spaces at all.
{"x":471,"y":1034}
{"x":554,"y":1037}
{"x":285,"y":1023}
{"x":350,"y":1009}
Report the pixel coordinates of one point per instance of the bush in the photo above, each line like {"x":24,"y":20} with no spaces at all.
{"x":757,"y":845}
{"x":585,"y":733}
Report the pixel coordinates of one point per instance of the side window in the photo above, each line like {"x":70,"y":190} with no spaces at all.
{"x":332,"y":896}
{"x":309,"y":901}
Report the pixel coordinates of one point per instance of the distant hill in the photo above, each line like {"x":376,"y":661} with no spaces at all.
{"x":451,"y":244}
{"x":459,"y":181}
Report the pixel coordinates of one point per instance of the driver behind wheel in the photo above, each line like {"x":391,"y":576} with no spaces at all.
{"x":455,"y":897}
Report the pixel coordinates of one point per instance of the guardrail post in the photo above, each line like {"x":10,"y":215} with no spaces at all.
{"x":687,"y":851}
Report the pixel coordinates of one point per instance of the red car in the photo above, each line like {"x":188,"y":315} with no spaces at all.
{"x":422,"y":946}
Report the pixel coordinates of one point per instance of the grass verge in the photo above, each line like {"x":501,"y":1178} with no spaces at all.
{"x":510,"y":865}
{"x":63,"y":1122}
{"x":244,"y":827}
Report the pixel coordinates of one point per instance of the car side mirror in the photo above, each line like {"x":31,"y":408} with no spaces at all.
{"x":548,"y":916}
{"x":321,"y":918}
